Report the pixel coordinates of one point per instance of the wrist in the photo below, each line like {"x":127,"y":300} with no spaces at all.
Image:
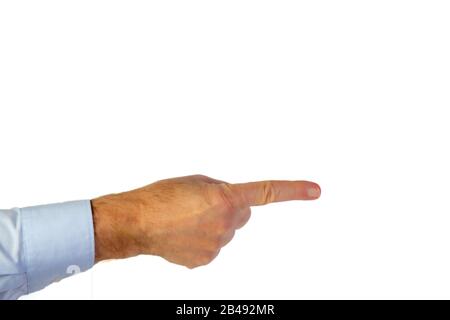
{"x":114,"y":228}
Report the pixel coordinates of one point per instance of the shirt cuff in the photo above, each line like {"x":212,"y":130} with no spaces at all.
{"x":58,"y":241}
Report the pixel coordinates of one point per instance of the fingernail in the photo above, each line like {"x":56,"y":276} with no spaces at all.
{"x":314,"y":192}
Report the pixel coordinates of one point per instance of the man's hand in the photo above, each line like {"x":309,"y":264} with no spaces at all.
{"x":185,"y":220}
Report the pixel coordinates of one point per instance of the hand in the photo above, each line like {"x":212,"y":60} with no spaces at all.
{"x":185,"y":220}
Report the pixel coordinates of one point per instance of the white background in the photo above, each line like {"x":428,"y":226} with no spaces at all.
{"x":103,"y":96}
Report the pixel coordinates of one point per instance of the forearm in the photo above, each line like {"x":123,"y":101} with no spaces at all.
{"x":43,"y":244}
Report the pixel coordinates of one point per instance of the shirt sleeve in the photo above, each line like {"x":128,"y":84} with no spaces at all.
{"x":43,"y":244}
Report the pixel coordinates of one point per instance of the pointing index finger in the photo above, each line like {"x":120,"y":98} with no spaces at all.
{"x":264,"y":192}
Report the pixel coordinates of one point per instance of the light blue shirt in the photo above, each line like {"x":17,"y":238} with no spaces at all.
{"x":43,"y":244}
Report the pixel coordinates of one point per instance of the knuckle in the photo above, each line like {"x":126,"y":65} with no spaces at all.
{"x":205,"y":258}
{"x":245,"y":218}
{"x":199,"y":176}
{"x":210,"y":256}
{"x":247,"y":212}
{"x":227,"y":238}
{"x":247,"y":215}
{"x":225,"y":195}
{"x":191,"y":266}
{"x":268,"y":192}
{"x":215,"y":243}
{"x":224,"y":224}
